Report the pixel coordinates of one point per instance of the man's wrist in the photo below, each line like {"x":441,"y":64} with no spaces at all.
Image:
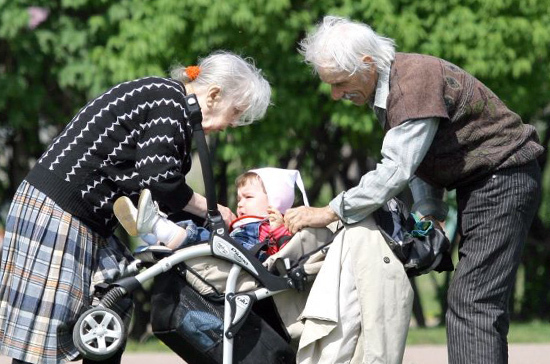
{"x":331,"y":215}
{"x":436,"y":222}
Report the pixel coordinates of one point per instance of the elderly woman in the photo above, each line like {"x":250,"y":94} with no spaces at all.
{"x":59,"y":238}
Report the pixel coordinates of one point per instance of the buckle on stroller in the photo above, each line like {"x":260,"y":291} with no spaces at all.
{"x":241,"y":305}
{"x":298,"y":276}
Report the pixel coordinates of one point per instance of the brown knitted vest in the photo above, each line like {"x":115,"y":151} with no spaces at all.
{"x":477,"y":133}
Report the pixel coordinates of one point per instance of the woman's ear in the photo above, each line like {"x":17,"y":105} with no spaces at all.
{"x":213,"y":95}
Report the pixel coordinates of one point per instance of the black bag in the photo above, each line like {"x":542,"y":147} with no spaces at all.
{"x":420,"y":245}
{"x":192,"y":326}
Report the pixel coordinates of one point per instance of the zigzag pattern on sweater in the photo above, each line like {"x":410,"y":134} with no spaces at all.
{"x":156,"y":139}
{"x":134,"y":133}
{"x":158,"y":121}
{"x":107,"y":108}
{"x":119,"y":147}
{"x":175,"y":123}
{"x":89,"y":188}
{"x":103,"y":152}
{"x":134,"y":175}
{"x":118,"y":178}
{"x":149,"y":105}
{"x":159,"y":177}
{"x":88,"y":153}
{"x":99,"y":141}
{"x":104,"y":201}
{"x":158,"y":158}
{"x":77,"y":116}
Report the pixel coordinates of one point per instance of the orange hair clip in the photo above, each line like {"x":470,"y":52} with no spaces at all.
{"x":192,"y":72}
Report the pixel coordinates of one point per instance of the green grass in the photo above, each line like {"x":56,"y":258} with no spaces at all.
{"x":530,"y":332}
{"x":520,"y":332}
{"x":424,"y":336}
{"x":149,"y":346}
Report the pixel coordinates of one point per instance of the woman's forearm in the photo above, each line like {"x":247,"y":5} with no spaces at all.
{"x":197,"y":205}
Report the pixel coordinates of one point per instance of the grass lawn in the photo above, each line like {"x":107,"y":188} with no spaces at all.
{"x":531,"y":332}
{"x":520,"y":332}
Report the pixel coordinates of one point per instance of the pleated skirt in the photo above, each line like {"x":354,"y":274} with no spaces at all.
{"x":50,"y":264}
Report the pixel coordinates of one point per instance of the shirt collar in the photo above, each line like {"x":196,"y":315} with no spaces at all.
{"x":382,"y":90}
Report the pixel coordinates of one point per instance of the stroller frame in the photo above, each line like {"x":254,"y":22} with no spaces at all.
{"x":99,"y":332}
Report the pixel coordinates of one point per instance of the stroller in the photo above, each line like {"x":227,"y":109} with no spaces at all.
{"x":226,"y":327}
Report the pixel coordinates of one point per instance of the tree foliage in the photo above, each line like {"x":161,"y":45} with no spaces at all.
{"x":83,"y":47}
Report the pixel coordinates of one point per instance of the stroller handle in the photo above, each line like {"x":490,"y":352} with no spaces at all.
{"x":193,"y":111}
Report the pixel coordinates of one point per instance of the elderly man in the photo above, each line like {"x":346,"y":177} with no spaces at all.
{"x":444,"y":130}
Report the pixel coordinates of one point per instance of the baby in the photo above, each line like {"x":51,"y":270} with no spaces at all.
{"x":263,"y":196}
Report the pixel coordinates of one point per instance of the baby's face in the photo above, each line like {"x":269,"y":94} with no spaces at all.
{"x":252,"y":200}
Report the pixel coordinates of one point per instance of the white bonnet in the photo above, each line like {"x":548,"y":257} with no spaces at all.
{"x":279,"y":185}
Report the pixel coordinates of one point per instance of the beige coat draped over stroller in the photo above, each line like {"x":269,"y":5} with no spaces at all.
{"x":357,"y":310}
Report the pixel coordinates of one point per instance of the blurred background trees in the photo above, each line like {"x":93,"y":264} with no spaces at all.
{"x":56,"y":55}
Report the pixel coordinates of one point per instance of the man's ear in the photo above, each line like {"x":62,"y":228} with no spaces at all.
{"x":370,"y":61}
{"x":367,"y":59}
{"x":213,"y":95}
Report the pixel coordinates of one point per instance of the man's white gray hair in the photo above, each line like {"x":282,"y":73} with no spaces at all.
{"x":340,"y":44}
{"x":239,"y":79}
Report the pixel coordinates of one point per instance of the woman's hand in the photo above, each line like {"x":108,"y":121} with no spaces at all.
{"x":197,"y":205}
{"x":275,"y":217}
{"x":304,"y":216}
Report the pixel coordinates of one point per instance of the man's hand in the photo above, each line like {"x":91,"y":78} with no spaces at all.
{"x":437,"y":224}
{"x":303,"y":216}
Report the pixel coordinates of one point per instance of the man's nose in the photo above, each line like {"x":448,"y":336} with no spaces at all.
{"x":336,"y":93}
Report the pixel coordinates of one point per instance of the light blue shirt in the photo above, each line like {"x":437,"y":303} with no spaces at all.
{"x":403,"y":149}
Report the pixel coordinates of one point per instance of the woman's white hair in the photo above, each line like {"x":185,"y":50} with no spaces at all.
{"x":239,"y":80}
{"x":340,"y":44}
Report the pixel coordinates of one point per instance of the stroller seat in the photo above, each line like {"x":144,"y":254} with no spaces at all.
{"x":301,"y":257}
{"x":304,"y":251}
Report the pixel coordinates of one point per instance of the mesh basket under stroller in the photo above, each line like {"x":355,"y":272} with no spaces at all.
{"x":192,"y":326}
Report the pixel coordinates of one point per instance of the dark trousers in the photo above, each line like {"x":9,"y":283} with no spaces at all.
{"x":494,"y":217}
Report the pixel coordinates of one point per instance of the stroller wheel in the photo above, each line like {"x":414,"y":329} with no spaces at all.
{"x":99,"y":333}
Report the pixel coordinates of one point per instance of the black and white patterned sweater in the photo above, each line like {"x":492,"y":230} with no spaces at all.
{"x":133,"y":136}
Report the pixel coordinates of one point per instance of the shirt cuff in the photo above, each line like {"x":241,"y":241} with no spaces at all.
{"x":337,"y":205}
